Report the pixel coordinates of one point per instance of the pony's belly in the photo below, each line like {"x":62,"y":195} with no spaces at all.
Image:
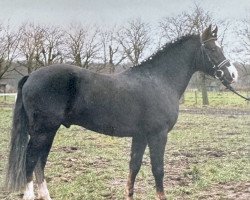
{"x":108,"y":130}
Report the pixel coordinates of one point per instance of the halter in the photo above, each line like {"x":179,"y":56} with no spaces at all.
{"x":217,"y":68}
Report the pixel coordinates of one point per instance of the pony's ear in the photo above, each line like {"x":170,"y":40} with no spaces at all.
{"x":207,"y":33}
{"x":214,"y":32}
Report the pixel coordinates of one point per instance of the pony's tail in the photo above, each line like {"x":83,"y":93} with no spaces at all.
{"x":16,"y":167}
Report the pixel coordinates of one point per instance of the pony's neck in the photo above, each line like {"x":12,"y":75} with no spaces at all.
{"x":174,"y":64}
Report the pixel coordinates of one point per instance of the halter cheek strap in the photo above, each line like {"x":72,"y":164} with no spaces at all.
{"x":218,"y":67}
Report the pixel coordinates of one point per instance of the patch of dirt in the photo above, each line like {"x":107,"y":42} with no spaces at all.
{"x":229,"y":191}
{"x":233,"y":133}
{"x":179,"y":173}
{"x":208,"y":152}
{"x":65,"y":149}
{"x":212,"y":152}
{"x":175,"y":171}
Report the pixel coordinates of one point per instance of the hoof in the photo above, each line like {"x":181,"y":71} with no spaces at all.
{"x":28,"y":197}
{"x":43,"y":198}
{"x":129,"y":196}
{"x":43,"y":192}
{"x":129,"y":193}
{"x":161,"y":196}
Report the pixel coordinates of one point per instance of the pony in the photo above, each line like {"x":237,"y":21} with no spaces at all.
{"x":142,"y":102}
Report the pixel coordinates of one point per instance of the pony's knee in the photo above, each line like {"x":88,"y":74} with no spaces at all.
{"x":135,"y":167}
{"x":158,"y":172}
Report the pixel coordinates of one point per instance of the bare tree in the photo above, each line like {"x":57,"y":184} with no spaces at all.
{"x":31,"y":46}
{"x":113,"y":55}
{"x":82,"y":45}
{"x":244,"y":73}
{"x":9,"y":42}
{"x":175,"y":26}
{"x":244,"y":51}
{"x":245,"y":37}
{"x":193,"y":22}
{"x":134,"y":39}
{"x":51,"y":46}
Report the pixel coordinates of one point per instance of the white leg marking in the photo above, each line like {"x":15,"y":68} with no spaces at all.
{"x":43,"y":192}
{"x":29,"y":192}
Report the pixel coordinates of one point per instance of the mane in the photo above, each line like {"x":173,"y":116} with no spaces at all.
{"x":165,"y":48}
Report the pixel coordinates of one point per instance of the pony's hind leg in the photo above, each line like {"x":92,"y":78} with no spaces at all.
{"x":36,"y":157}
{"x":43,"y":192}
{"x":137,"y":150}
{"x":157,"y":145}
{"x":32,"y":156}
{"x":29,"y":191}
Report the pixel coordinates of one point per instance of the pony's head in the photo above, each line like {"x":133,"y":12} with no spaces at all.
{"x":213,"y":59}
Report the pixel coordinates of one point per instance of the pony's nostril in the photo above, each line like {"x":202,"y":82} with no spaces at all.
{"x":233,"y":75}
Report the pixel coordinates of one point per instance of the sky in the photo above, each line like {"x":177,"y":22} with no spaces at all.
{"x":109,"y":12}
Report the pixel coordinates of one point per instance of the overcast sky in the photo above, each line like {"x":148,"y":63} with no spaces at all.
{"x":115,"y":12}
{"x":108,"y":12}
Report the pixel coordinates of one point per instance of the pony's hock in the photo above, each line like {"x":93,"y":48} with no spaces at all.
{"x":141,"y":103}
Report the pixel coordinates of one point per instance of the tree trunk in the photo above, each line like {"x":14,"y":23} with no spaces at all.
{"x":204,"y":89}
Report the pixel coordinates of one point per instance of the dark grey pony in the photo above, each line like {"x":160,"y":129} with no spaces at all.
{"x":141,"y":103}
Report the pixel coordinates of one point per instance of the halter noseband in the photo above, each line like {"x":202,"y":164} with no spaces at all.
{"x":217,"y":68}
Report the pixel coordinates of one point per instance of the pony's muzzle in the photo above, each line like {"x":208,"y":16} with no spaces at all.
{"x":233,"y":73}
{"x":227,"y":74}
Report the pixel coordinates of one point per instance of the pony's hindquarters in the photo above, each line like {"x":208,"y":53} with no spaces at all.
{"x":16,"y":169}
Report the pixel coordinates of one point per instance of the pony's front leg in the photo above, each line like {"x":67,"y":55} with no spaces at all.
{"x":139,"y":144}
{"x":157,"y":143}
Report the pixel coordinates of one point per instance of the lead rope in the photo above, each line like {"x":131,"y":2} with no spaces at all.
{"x":234,"y":91}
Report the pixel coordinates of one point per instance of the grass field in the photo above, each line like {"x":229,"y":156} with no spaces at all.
{"x":221,"y":99}
{"x":192,"y":98}
{"x":207,"y":157}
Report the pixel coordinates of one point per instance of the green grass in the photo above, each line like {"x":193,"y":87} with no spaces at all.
{"x":217,"y":99}
{"x":206,"y":155}
{"x":192,"y":98}
{"x":7,"y":100}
